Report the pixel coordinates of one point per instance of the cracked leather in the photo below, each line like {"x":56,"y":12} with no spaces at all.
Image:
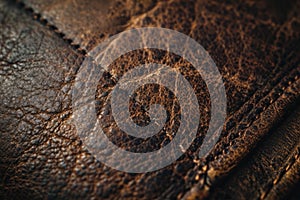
{"x":255,"y":46}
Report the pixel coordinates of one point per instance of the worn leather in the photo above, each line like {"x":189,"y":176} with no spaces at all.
{"x":272,"y":169}
{"x":255,"y":46}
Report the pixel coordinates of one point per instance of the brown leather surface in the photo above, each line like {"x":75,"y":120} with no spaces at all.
{"x":272,"y":169}
{"x":255,"y":46}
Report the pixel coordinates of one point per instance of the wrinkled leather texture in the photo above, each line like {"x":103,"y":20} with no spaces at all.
{"x":255,"y":46}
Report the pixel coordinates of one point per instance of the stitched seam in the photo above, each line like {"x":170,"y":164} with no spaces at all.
{"x":38,"y":17}
{"x":284,"y":93}
{"x":291,"y":162}
{"x":263,"y":104}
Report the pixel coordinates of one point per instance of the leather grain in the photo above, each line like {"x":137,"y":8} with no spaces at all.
{"x":272,"y":169}
{"x":255,"y":46}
